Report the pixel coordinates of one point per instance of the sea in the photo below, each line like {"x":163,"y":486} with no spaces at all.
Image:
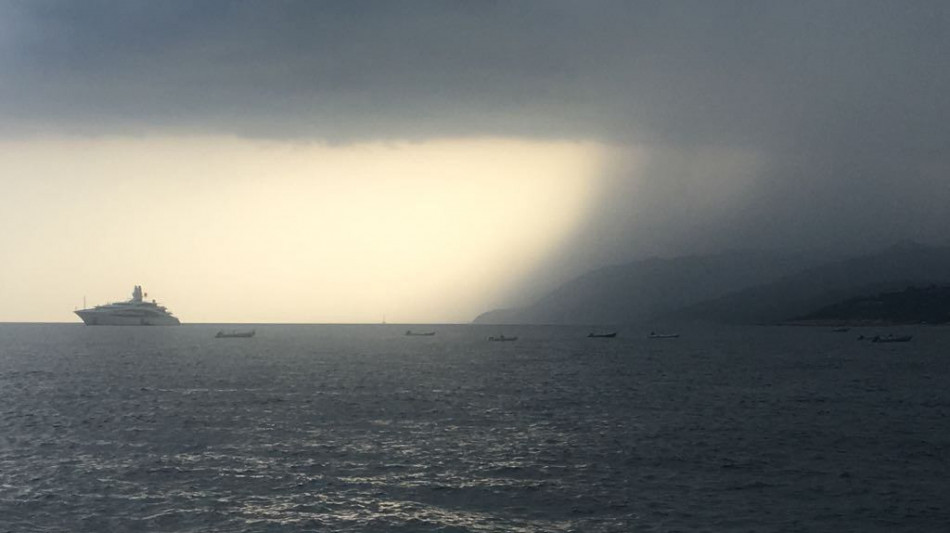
{"x":365,"y":429}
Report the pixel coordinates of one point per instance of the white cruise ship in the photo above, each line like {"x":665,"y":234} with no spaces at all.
{"x":134,"y":312}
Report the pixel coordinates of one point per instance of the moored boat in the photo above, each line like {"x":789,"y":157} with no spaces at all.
{"x":655,"y":335}
{"x":502,"y":338}
{"x":610,"y":335}
{"x":892,"y":338}
{"x":234,"y":334}
{"x":410,"y":333}
{"x":134,"y":312}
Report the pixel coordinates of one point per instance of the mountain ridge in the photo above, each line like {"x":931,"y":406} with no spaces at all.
{"x":640,"y":290}
{"x":893,"y":268}
{"x":752,"y":287}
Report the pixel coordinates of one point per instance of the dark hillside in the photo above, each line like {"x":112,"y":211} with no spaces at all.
{"x":913,"y":305}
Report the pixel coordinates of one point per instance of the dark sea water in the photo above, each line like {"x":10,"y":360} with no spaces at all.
{"x":359,"y":428}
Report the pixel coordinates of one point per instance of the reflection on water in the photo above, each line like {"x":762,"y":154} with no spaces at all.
{"x":348,"y":428}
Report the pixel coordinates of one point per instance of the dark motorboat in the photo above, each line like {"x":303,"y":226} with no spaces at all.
{"x":892,"y":338}
{"x":841,"y":330}
{"x":502,"y":338}
{"x":655,"y":335}
{"x":234,"y":334}
{"x":410,"y":333}
{"x":602,"y":335}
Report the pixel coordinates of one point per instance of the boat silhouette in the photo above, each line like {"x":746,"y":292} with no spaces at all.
{"x":892,"y":338}
{"x":234,"y":334}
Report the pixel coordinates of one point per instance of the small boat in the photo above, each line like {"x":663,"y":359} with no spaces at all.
{"x":892,"y":338}
{"x":655,"y":335}
{"x":410,"y":333}
{"x":610,"y":335}
{"x":841,"y":330}
{"x":502,"y":338}
{"x":234,"y":334}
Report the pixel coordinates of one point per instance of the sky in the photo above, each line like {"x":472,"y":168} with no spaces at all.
{"x":426,"y":161}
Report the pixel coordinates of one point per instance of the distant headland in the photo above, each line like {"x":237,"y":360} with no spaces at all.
{"x":904,"y":283}
{"x":913,"y":305}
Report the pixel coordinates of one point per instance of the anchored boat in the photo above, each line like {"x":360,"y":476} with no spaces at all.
{"x":134,"y":312}
{"x":892,"y":338}
{"x":234,"y":334}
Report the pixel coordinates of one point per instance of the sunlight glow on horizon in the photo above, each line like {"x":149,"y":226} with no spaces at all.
{"x":235,"y":230}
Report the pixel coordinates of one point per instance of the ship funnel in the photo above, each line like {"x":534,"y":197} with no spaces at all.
{"x":137,"y":293}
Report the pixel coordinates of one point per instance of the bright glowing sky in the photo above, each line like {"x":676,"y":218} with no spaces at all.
{"x":225,"y":229}
{"x":428,"y":161}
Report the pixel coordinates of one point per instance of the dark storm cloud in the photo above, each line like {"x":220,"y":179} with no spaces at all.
{"x":341,"y":71}
{"x":842,"y":103}
{"x":702,"y":72}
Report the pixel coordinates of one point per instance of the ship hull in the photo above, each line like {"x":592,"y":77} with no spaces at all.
{"x":93,"y":318}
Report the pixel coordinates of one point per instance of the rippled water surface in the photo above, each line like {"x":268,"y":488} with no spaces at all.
{"x":359,"y":428}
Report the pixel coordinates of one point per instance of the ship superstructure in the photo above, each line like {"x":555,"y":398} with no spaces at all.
{"x":134,"y":312}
